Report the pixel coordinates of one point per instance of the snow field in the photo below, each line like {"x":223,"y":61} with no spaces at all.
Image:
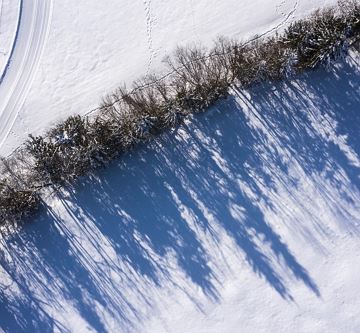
{"x":90,"y":52}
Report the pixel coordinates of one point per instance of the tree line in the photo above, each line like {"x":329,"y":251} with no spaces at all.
{"x":198,"y":78}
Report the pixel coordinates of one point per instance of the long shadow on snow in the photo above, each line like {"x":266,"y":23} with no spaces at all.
{"x":43,"y":263}
{"x":157,"y":198}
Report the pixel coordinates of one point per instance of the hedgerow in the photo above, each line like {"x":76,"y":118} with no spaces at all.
{"x":197,"y":79}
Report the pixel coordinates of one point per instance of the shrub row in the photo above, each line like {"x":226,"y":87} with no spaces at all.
{"x":198,"y":78}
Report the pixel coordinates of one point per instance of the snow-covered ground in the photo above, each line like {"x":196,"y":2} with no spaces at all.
{"x":33,"y":27}
{"x":247,"y":219}
{"x":70,"y":53}
{"x":9,"y":23}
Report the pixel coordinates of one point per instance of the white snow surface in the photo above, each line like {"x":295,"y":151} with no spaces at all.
{"x":9,"y":19}
{"x":31,"y":35}
{"x":69,"y":54}
{"x":245,"y":219}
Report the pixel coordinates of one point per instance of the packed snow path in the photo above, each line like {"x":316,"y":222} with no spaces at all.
{"x":34,"y":22}
{"x":10,"y":12}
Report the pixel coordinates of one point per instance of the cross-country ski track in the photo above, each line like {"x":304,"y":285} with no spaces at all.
{"x":34,"y":23}
{"x":9,"y":29}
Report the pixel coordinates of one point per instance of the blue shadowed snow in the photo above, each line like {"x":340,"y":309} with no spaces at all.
{"x":103,"y":246}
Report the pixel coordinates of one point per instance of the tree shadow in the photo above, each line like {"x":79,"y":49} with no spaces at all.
{"x":41,"y":262}
{"x":120,"y":229}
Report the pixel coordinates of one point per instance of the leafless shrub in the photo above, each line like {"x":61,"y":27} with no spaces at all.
{"x":15,"y":204}
{"x":19,"y":196}
{"x":199,"y":78}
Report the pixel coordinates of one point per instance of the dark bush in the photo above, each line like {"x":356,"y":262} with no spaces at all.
{"x":63,"y":155}
{"x":15,"y":204}
{"x":324,"y":36}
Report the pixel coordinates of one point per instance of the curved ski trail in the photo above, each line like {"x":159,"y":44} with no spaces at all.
{"x":34,"y":27}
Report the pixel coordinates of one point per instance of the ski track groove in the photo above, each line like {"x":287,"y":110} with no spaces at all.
{"x":2,"y":76}
{"x":33,"y":28}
